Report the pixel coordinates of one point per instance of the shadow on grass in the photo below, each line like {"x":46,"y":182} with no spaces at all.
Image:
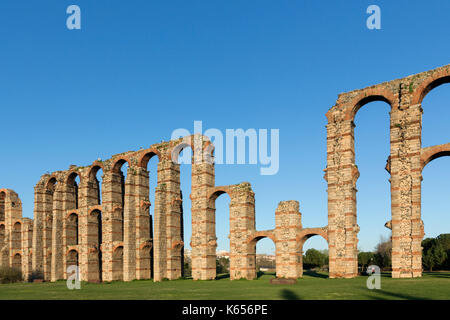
{"x":437,"y":274}
{"x":259,"y":274}
{"x":386,"y":295}
{"x":315,"y":274}
{"x":289,"y":295}
{"x":223,"y":276}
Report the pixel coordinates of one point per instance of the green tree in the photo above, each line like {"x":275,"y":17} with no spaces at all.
{"x":222,"y":265}
{"x":314,"y":258}
{"x":383,"y":253}
{"x":439,"y":255}
{"x":365,"y":259}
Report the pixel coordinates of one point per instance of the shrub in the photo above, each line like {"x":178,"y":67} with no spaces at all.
{"x":10,"y":275}
{"x":36,"y":275}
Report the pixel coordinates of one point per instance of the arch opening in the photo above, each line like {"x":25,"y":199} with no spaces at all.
{"x":435,"y":190}
{"x":265,"y":258}
{"x":17,"y":261}
{"x":72,"y":230}
{"x":423,"y":92}
{"x":95,"y":242}
{"x":185,"y":205}
{"x":2,"y":206}
{"x":313,"y":254}
{"x":149,"y":162}
{"x":16,"y":243}
{"x":72,"y":258}
{"x":95,"y":185}
{"x":73,"y":182}
{"x":372,"y":187}
{"x":120,"y":188}
{"x":435,"y":124}
{"x":50,"y":188}
{"x":221,"y":233}
{"x":369,"y":99}
{"x":117,"y":264}
{"x":2,"y":235}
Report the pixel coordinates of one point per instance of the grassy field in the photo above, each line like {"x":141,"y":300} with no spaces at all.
{"x":314,"y":286}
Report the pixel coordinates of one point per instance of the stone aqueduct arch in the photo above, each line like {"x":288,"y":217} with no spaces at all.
{"x":109,"y":234}
{"x":405,"y":163}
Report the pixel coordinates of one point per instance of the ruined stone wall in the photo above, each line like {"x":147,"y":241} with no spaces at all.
{"x":405,"y":97}
{"x":15,"y":234}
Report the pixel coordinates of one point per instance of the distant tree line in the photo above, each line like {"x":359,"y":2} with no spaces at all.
{"x":435,"y":254}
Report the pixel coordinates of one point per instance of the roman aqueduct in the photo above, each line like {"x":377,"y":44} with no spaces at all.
{"x":108,"y":232}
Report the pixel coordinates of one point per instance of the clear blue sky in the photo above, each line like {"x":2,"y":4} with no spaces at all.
{"x":137,"y":70}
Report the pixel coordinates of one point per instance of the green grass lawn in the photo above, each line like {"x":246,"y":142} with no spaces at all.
{"x":434,"y":285}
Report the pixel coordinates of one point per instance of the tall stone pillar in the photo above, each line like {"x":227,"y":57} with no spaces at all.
{"x":204,"y":240}
{"x":159,"y":241}
{"x":341,"y":175}
{"x":39,"y":218}
{"x":287,"y":228}
{"x":407,"y":226}
{"x":131,"y":207}
{"x":27,"y":245}
{"x":143,"y":225}
{"x":91,"y":239}
{"x":242,"y":225}
{"x":58,"y":254}
{"x":84,"y":201}
{"x":111,"y":219}
{"x":168,"y":240}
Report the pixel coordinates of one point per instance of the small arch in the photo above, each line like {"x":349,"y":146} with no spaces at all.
{"x":17,"y":235}
{"x":119,"y":162}
{"x":2,"y":205}
{"x":144,"y":244}
{"x":51,"y":184}
{"x":146,"y":156}
{"x":72,"y":229}
{"x":95,"y":167}
{"x":2,"y":234}
{"x":117,"y":262}
{"x":431,"y":153}
{"x":368,"y":96}
{"x":252,"y":242}
{"x":258,"y":235}
{"x":307,"y":233}
{"x":72,"y":257}
{"x":176,"y":151}
{"x":70,"y":180}
{"x":94,"y":210}
{"x":216,"y":192}
{"x":117,"y":246}
{"x":207,"y":148}
{"x":177,"y":245}
{"x":68,"y":251}
{"x":17,"y":261}
{"x":429,"y":84}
